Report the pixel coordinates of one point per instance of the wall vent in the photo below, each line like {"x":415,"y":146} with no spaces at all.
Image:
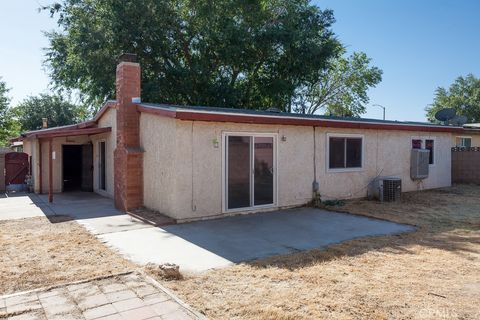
{"x":419,"y":164}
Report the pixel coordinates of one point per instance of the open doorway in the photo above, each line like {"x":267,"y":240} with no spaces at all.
{"x":77,"y":167}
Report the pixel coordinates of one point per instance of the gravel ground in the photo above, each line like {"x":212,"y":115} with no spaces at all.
{"x":40,"y":252}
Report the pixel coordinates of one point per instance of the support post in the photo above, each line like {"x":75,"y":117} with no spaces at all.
{"x":50,"y":171}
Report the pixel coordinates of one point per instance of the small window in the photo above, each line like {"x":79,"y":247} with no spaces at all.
{"x":345,"y":153}
{"x":464,"y":142}
{"x":416,"y":144}
{"x":429,"y":145}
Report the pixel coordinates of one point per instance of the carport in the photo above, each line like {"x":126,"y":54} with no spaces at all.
{"x":52,"y":136}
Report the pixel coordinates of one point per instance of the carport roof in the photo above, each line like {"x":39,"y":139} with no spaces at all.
{"x":84,"y":128}
{"x":67,"y":132}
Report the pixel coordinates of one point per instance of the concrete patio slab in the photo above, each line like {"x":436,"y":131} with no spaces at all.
{"x":93,"y":211}
{"x":157,"y":245}
{"x":19,"y":206}
{"x":204,"y":245}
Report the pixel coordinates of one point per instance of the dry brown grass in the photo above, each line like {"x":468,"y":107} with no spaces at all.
{"x":38,"y":252}
{"x":433,"y":273}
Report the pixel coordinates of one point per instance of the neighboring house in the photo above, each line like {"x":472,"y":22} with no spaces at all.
{"x":197,"y":162}
{"x":470,"y":137}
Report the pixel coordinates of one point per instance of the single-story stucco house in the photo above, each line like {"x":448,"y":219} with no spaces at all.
{"x":194,"y":163}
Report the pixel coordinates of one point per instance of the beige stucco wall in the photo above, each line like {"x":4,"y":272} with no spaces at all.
{"x":198,"y":175}
{"x":183,"y":167}
{"x":158,"y":139}
{"x":107,"y":120}
{"x":386,"y":153}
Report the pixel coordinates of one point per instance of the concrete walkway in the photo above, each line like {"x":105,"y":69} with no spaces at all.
{"x":126,"y":297}
{"x":200,"y":246}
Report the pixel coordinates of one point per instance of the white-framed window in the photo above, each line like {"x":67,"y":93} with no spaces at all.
{"x":425,"y":143}
{"x":464,"y":142}
{"x":249,"y":170}
{"x":344,"y":152}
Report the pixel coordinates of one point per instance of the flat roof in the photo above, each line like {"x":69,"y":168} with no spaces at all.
{"x":201,"y":113}
{"x":248,"y":116}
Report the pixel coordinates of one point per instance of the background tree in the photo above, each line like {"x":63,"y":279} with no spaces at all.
{"x":9,"y":127}
{"x":231,"y":53}
{"x":463,"y":95}
{"x":55,"y":108}
{"x":342,"y":88}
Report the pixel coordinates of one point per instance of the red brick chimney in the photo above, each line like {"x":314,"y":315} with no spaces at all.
{"x":128,"y":157}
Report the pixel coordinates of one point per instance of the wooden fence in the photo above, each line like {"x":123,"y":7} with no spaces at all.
{"x":466,"y":165}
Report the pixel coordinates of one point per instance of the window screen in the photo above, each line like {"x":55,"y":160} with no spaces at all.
{"x":416,"y":144}
{"x":337,"y":153}
{"x":345,"y":153}
{"x":429,"y":145}
{"x":354,"y":153}
{"x":463,"y":142}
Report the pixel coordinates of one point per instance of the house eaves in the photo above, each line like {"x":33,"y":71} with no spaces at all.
{"x":283,"y":118}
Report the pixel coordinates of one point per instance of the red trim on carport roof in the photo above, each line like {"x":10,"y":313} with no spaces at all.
{"x":83,"y":125}
{"x":71,"y":132}
{"x":307,"y":122}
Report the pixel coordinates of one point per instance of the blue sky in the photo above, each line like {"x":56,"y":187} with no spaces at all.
{"x":419,"y":45}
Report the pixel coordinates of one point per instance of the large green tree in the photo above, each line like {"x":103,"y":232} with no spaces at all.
{"x":233,"y":53}
{"x":8,"y":125}
{"x":342,"y":88}
{"x":55,"y":108}
{"x":463,"y":95}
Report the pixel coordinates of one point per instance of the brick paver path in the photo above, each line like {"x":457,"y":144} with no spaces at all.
{"x":126,"y":297}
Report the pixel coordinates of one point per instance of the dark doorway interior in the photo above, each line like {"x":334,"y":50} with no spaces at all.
{"x":77,"y":168}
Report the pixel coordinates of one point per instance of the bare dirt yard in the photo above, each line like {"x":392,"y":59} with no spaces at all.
{"x":41,"y":252}
{"x":433,"y":273}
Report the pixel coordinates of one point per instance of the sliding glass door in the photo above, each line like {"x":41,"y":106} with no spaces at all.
{"x":249,"y":171}
{"x":238,"y":175}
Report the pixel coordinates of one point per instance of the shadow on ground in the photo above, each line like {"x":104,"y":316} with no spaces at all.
{"x":287,"y":239}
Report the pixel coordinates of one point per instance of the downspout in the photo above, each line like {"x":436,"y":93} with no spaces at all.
{"x":316,"y":200}
{"x":50,"y":172}
{"x":40,"y":171}
{"x":193,"y":206}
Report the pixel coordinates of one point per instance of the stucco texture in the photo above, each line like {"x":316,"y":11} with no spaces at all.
{"x":183,"y":164}
{"x":107,"y":120}
{"x":158,"y":140}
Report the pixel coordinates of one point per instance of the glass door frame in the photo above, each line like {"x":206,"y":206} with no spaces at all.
{"x":252,"y":207}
